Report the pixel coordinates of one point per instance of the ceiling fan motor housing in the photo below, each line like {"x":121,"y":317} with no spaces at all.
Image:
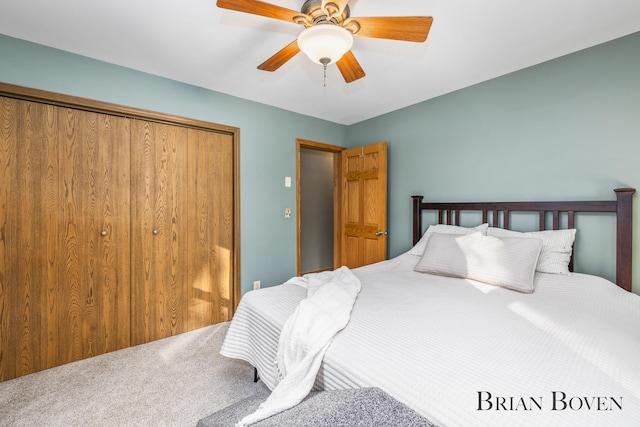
{"x":329,"y":15}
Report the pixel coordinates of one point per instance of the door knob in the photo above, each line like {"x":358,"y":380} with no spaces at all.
{"x":103,"y":233}
{"x":380,"y":233}
{"x":155,"y":231}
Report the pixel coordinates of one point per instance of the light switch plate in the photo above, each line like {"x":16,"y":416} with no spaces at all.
{"x":287,"y":181}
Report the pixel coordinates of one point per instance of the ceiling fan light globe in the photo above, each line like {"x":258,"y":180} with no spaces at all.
{"x":325,"y":41}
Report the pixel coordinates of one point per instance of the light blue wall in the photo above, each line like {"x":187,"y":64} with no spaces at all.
{"x":267,"y":140}
{"x":564,"y":129}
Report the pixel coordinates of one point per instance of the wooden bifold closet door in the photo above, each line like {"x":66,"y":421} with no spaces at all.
{"x":64,"y":245}
{"x":159,"y":224}
{"x":210,"y":228}
{"x":114,"y":231}
{"x":182,"y":210}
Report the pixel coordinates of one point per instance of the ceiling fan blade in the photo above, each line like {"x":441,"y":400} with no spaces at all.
{"x":280,"y":58}
{"x":406,"y":28}
{"x":350,"y":67}
{"x":269,"y":10}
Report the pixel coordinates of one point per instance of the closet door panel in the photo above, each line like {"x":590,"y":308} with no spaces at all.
{"x":29,"y":213}
{"x":210,"y":227}
{"x":159,"y":215}
{"x":113,"y":231}
{"x":113,"y":213}
{"x":93,"y":291}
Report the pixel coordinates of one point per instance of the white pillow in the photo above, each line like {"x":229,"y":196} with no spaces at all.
{"x":508,"y":262}
{"x":418,"y":249}
{"x":557,"y":246}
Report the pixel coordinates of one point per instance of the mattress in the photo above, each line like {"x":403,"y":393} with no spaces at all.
{"x":463,"y":353}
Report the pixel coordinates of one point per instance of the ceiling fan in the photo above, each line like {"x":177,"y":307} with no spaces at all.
{"x":329,"y":31}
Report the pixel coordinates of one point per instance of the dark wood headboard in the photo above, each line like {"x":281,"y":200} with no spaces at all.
{"x":449,"y":213}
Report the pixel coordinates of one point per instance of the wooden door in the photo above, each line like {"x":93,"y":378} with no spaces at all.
{"x":364,"y":205}
{"x":94,"y":242}
{"x":90,"y":222}
{"x":29,"y":211}
{"x":63,"y":286}
{"x":159,"y":215}
{"x":210,"y":239}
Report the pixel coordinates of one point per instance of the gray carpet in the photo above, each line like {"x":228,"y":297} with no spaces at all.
{"x":362,"y":407}
{"x":171,"y":382}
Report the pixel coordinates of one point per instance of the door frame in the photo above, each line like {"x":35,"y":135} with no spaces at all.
{"x":337,"y":197}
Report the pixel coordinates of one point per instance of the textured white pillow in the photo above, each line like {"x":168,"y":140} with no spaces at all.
{"x":418,"y":249}
{"x":508,"y":262}
{"x":557,"y":246}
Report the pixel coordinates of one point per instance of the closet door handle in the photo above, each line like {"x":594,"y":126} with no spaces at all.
{"x":155,"y":232}
{"x":103,"y":233}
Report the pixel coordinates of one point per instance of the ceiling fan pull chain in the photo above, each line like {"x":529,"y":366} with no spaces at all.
{"x":324,"y":62}
{"x":325,"y":75}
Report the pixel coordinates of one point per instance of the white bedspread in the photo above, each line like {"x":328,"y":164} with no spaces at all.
{"x":463,"y":353}
{"x":306,"y":336}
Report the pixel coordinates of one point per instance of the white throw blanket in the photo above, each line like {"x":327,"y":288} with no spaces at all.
{"x":306,"y":336}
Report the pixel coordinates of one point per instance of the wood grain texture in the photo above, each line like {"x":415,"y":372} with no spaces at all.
{"x":65,"y":178}
{"x":405,"y":28}
{"x":350,"y":68}
{"x":67,"y":285}
{"x":114,"y":214}
{"x":364,"y":204}
{"x":210,"y":236}
{"x":159,"y":220}
{"x":86,"y":104}
{"x":92,"y":291}
{"x":281,"y":57}
{"x":27,"y":223}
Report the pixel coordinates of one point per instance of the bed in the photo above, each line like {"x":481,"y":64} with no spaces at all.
{"x":465,"y":352}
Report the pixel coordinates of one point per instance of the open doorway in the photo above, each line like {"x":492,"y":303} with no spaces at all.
{"x":318,"y":206}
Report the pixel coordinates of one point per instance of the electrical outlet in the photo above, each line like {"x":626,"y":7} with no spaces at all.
{"x":287,"y":212}
{"x":256,"y":285}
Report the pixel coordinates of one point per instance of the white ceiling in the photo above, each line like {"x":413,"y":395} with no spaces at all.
{"x":193,"y":41}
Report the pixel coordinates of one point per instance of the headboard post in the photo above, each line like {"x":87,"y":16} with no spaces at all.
{"x":417,"y":218}
{"x":624,"y":237}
